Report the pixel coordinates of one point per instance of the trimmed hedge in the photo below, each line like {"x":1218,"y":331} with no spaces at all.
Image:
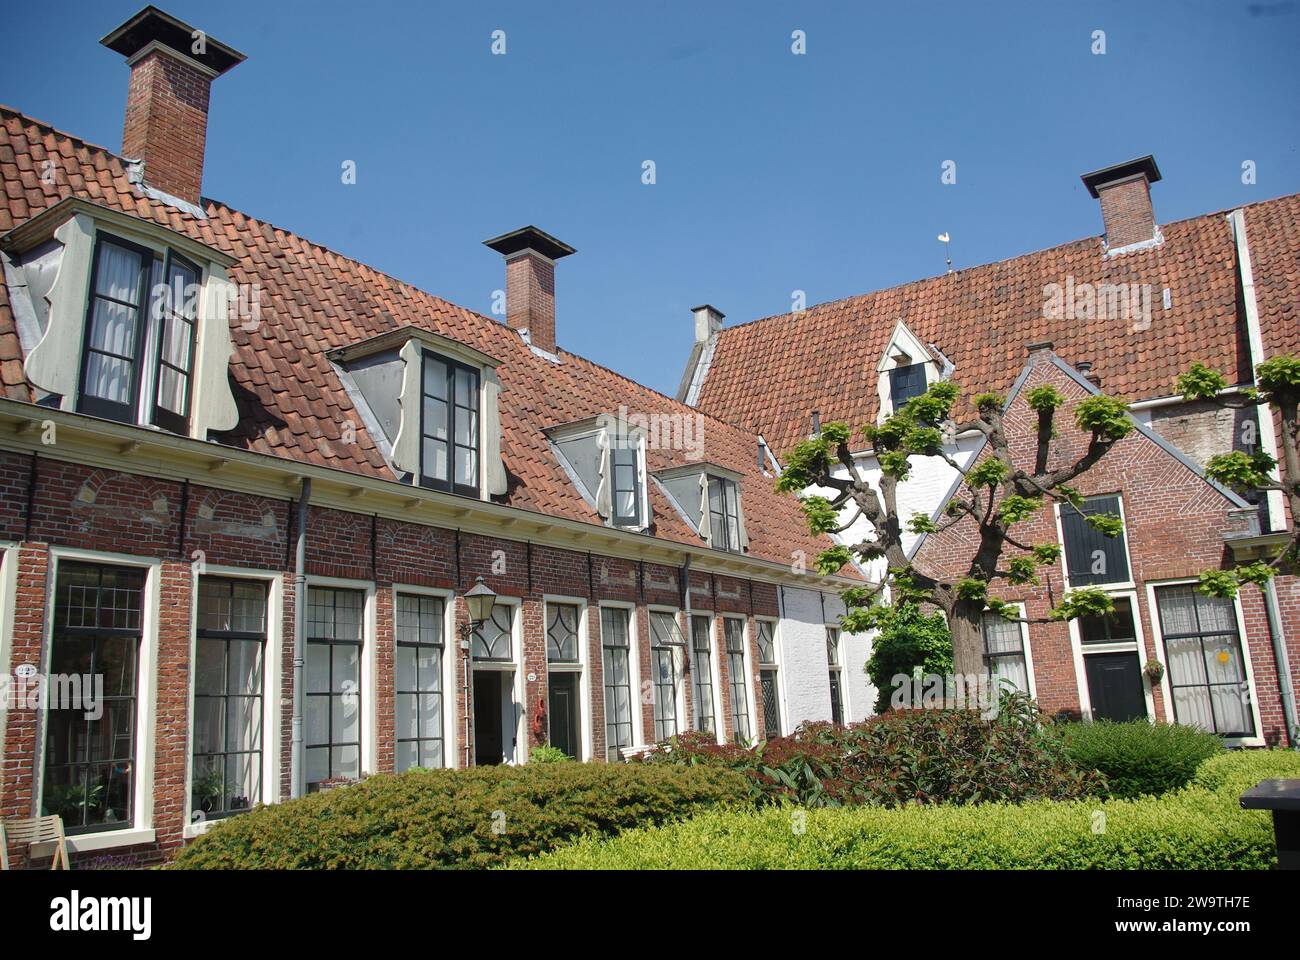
{"x":456,"y":818}
{"x":1139,"y":758}
{"x":904,"y":756}
{"x":1200,"y":827}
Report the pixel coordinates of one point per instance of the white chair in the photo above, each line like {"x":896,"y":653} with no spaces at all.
{"x":33,"y":831}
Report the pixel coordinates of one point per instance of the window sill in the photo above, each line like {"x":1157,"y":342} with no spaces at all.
{"x":89,"y":842}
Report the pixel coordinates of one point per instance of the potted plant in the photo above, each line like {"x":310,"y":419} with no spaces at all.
{"x":1155,"y":671}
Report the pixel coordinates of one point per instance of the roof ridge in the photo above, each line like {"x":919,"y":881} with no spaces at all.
{"x":994,"y":263}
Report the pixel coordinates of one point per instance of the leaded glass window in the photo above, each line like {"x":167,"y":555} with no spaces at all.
{"x":665,"y":641}
{"x":493,"y":637}
{"x":561,"y":633}
{"x":419,"y":622}
{"x":1004,"y":652}
{"x":702,"y":674}
{"x":333,"y":684}
{"x":1207,"y":670}
{"x":618,"y":679}
{"x":736,"y":678}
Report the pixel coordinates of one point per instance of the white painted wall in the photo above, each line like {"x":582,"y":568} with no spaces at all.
{"x":806,"y":677}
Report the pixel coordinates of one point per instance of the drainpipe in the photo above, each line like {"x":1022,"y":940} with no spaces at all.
{"x":1283,"y":665}
{"x":297,"y":764}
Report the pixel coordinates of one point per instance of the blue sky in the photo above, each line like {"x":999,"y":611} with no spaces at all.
{"x":775,"y":172}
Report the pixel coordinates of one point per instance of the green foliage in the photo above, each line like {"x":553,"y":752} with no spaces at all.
{"x":477,"y":818}
{"x":822,"y":517}
{"x":1023,"y":570}
{"x":810,"y":460}
{"x":908,"y":640}
{"x":972,"y":588}
{"x":1104,"y":416}
{"x":1107,"y":524}
{"x":1201,"y":383}
{"x":547,"y":754}
{"x":1140,"y":757}
{"x":1007,"y":611}
{"x":923,"y":441}
{"x":1015,"y":508}
{"x":894,"y":463}
{"x":1240,"y":471}
{"x":1201,"y":827}
{"x":988,"y":402}
{"x":1257,"y":572}
{"x":1046,"y":397}
{"x":1279,"y":375}
{"x":921,"y":523}
{"x":1225,"y":583}
{"x":932,"y":407}
{"x":830,"y":560}
{"x":1083,"y":602}
{"x":1047,"y":553}
{"x":989,"y":472}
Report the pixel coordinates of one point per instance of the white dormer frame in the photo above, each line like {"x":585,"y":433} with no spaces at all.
{"x":601,"y":499}
{"x":707,"y":470}
{"x":904,"y":348}
{"x":54,"y":363}
{"x":412,"y":343}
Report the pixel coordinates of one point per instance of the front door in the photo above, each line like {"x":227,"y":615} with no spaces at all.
{"x":1115,"y":686}
{"x":487,"y":716}
{"x":771,"y":705}
{"x":564,"y":713}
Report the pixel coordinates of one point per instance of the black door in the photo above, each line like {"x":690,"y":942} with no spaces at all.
{"x":487,"y":717}
{"x":771,"y":706}
{"x":1115,"y":686}
{"x":563,"y":699}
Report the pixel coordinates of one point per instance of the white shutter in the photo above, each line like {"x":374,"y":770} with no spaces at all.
{"x":704,"y":507}
{"x":494,"y":468}
{"x":604,"y":492}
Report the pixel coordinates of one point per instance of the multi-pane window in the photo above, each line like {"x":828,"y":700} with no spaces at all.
{"x":702,"y":674}
{"x":626,"y":484}
{"x":420,"y":739}
{"x":618,"y":679}
{"x":1004,"y":653}
{"x":906,"y":382}
{"x":833,"y":664}
{"x":764,"y":637}
{"x":333,"y":688}
{"x":564,"y":673}
{"x":1207,"y":672}
{"x":449,"y":426}
{"x":1090,"y":555}
{"x":734,"y":631}
{"x":665,"y":641}
{"x":139,"y":335}
{"x":89,"y":777}
{"x":229,"y":651}
{"x":1114,"y":627}
{"x":724,"y":514}
{"x":492,"y":638}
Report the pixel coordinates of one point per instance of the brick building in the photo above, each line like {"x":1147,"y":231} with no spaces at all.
{"x":246,"y":484}
{"x":1127,"y":311}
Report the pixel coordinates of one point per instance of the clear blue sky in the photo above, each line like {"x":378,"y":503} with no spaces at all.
{"x":775,"y":172}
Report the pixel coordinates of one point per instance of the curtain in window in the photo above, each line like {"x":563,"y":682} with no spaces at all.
{"x":1004,"y":652}
{"x":114,"y":323}
{"x":1207,"y":673}
{"x":178,"y":318}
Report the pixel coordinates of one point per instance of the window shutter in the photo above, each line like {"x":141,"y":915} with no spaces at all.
{"x":1082,"y":542}
{"x":740,"y":519}
{"x":605,"y":492}
{"x":494,"y":468}
{"x":704,"y":508}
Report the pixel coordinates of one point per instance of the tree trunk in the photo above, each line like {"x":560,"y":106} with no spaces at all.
{"x":966,"y":625}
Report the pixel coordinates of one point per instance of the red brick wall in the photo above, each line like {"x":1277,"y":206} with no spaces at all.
{"x":167,"y":123}
{"x":75,"y":506}
{"x":1174,"y":522}
{"x":1126,"y":212}
{"x":530,"y":298}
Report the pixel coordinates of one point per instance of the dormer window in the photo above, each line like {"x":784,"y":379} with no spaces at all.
{"x":906,"y":369}
{"x":125,"y":319}
{"x":709,"y":498}
{"x":432,"y":406}
{"x":906,"y":382}
{"x":139,"y":339}
{"x":605,"y":459}
{"x":449,"y":428}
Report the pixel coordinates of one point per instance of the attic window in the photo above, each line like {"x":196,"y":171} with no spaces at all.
{"x":608,"y":468}
{"x":710,"y":498}
{"x":449,"y":426}
{"x":906,"y":382}
{"x":906,"y":369}
{"x":724,"y":514}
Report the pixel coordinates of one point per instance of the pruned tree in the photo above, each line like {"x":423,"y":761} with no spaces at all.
{"x":997,"y":495}
{"x":1276,"y":390}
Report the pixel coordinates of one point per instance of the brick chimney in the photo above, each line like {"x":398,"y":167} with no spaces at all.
{"x":530,"y":256}
{"x":1125,"y":194}
{"x":172,"y":67}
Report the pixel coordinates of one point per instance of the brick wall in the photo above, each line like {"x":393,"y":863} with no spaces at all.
{"x":1126,"y":212}
{"x":167,"y":123}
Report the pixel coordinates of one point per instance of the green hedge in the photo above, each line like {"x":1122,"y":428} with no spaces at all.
{"x":1200,"y":827}
{"x":1139,"y":758}
{"x":457,"y":818}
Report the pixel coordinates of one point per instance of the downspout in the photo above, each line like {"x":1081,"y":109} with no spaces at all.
{"x":297,"y":765}
{"x":1268,"y":439}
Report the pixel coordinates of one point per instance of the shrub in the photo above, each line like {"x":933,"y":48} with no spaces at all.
{"x":1193,"y":828}
{"x":547,"y":754}
{"x":456,"y":818}
{"x":908,"y":640}
{"x":1139,"y":757}
{"x":904,"y":756}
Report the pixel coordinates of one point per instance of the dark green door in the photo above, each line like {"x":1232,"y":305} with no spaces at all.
{"x":563,"y":700}
{"x":1115,"y":686}
{"x":487,"y":717}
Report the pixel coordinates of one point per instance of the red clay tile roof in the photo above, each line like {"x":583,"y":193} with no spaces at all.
{"x":769,"y":375}
{"x":314,"y":300}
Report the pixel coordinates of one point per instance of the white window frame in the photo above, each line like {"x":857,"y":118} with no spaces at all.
{"x":369,"y":666}
{"x":8,"y":601}
{"x":582,"y":668}
{"x":1079,"y":650}
{"x":633,"y":666}
{"x":1127,"y":584}
{"x":1242,"y":638}
{"x":845,"y":705}
{"x":902,"y":340}
{"x":715,"y":679}
{"x":141,"y":829}
{"x":679,"y":663}
{"x":519,"y":688}
{"x":593,"y":429}
{"x":1019,"y":607}
{"x":451,"y":732}
{"x":746,"y":639}
{"x":779,"y":663}
{"x":272,"y":675}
